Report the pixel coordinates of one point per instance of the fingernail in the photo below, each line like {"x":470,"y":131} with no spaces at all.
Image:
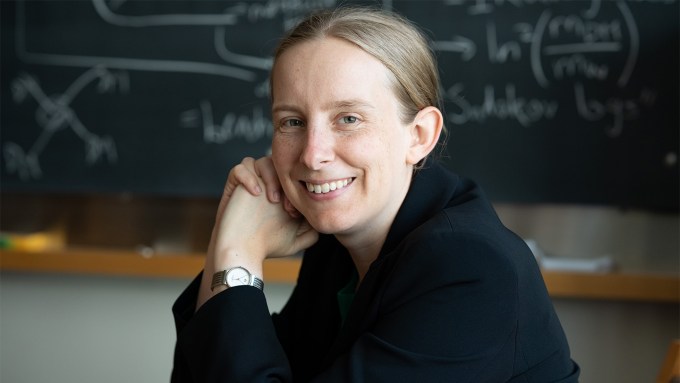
{"x":276,"y":196}
{"x":258,"y":190}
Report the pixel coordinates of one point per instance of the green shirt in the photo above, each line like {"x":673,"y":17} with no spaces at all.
{"x":346,"y":296}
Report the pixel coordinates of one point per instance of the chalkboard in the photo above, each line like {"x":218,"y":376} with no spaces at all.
{"x":545,"y":101}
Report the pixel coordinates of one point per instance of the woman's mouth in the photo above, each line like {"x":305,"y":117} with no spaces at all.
{"x":327,"y":187}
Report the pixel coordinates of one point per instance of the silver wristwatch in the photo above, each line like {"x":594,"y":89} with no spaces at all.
{"x":236,"y":276}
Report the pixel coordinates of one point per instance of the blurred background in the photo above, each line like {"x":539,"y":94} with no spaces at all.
{"x":120,"y":120}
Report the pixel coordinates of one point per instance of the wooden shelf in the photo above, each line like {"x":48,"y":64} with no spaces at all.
{"x":614,"y":286}
{"x":129,"y":263}
{"x":606,"y":286}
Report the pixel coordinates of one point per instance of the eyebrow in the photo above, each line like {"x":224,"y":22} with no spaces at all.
{"x":284,"y":108}
{"x":342,"y":104}
{"x":353,"y":103}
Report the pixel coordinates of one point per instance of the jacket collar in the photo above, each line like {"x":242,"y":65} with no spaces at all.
{"x":431,"y":190}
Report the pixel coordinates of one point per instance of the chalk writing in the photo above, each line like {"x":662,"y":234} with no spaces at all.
{"x":500,"y":53}
{"x":250,"y":128}
{"x":577,"y":66}
{"x":581,"y":44}
{"x":617,"y":108}
{"x":509,"y":106}
{"x":125,"y":63}
{"x":465,"y":46}
{"x":588,"y":36}
{"x":54,"y":114}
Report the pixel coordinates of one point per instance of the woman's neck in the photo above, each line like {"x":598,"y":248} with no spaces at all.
{"x":363,"y":255}
{"x":364,"y":244}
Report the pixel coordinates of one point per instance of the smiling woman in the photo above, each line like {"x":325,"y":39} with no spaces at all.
{"x":407,"y":272}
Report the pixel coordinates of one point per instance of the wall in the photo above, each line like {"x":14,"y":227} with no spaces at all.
{"x":65,"y":329}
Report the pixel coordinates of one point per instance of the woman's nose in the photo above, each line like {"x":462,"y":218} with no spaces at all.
{"x":318,"y":149}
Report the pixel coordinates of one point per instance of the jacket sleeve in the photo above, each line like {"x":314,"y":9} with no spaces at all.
{"x":229,"y":339}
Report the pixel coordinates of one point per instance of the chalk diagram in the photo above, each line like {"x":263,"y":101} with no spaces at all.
{"x":54,"y":112}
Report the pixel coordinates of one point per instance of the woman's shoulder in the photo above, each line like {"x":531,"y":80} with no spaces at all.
{"x":459,"y":240}
{"x":465,"y":242}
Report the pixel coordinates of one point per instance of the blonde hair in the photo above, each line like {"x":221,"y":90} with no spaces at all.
{"x":387,"y":36}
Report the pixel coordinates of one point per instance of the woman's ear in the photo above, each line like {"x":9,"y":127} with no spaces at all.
{"x":425,"y":131}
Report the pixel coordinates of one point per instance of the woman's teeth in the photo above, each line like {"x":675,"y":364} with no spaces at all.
{"x":327,"y":187}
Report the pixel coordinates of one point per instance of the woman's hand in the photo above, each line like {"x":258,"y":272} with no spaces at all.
{"x":249,"y":227}
{"x":247,"y":173}
{"x":251,"y":174}
{"x":259,"y":228}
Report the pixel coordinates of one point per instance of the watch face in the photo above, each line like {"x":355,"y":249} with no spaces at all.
{"x":238,"y":277}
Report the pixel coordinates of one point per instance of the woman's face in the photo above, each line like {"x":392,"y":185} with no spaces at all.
{"x":339,"y":146}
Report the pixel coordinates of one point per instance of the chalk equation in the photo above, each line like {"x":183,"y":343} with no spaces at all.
{"x":540,"y":39}
{"x":585,"y":45}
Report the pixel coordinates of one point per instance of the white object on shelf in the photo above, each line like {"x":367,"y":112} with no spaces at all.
{"x":599,"y":264}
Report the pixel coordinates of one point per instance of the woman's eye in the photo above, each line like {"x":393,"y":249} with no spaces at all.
{"x":292,"y":123}
{"x":349,"y":120}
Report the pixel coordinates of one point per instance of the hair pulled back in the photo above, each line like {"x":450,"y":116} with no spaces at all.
{"x":387,"y":36}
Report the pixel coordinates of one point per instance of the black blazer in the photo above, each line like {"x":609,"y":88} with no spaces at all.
{"x":454,"y":296}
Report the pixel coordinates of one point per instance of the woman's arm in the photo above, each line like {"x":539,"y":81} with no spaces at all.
{"x":249,"y":228}
{"x":228,"y":335}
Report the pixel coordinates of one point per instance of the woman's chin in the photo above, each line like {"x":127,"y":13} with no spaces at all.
{"x":328,"y":226}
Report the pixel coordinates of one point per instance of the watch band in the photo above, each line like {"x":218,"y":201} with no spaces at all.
{"x":257,"y":282}
{"x":220,"y":278}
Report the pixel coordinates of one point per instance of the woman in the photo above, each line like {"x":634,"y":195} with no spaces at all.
{"x":408,"y":275}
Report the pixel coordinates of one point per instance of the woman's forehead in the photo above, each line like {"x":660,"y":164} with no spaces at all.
{"x":330,"y":69}
{"x":329,"y":54}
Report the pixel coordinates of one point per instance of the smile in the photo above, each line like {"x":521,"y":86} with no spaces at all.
{"x":328,"y":186}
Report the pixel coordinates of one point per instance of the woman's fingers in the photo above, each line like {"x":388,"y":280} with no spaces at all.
{"x":243,"y":174}
{"x":290,"y":209}
{"x":264,"y":167}
{"x":247,"y":174}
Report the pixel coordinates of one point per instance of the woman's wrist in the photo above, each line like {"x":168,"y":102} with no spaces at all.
{"x":228,"y":258}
